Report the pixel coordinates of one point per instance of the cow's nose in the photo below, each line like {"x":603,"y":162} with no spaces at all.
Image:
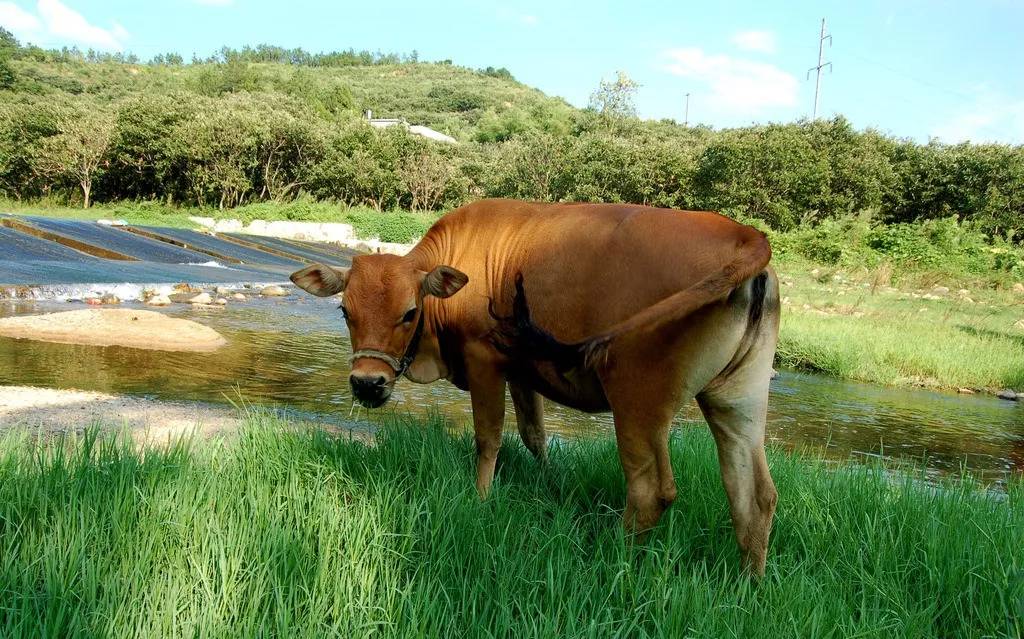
{"x":368,"y":383}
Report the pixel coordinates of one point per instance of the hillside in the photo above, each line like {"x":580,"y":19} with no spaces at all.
{"x":451,"y":99}
{"x":269,"y":124}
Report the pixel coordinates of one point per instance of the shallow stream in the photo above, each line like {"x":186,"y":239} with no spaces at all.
{"x":293,"y":353}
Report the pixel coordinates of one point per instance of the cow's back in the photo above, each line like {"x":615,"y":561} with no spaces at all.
{"x":585,"y":267}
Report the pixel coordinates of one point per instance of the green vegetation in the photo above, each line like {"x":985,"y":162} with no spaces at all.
{"x":270,"y":124}
{"x":850,"y":326}
{"x":282,"y":533}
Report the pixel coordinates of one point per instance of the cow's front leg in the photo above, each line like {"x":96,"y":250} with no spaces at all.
{"x":487,"y":395}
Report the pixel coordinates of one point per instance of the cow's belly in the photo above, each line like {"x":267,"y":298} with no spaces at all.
{"x":577,"y":389}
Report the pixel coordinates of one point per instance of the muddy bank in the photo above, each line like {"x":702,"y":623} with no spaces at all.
{"x":133,"y":328}
{"x":56,"y":410}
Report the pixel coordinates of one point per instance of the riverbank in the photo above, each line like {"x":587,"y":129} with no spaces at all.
{"x":847,"y":326}
{"x":303,"y":534}
{"x":52,"y":411}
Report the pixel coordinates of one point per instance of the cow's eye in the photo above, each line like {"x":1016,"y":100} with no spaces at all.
{"x":409,"y":316}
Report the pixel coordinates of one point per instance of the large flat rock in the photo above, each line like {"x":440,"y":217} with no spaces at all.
{"x":115,"y":327}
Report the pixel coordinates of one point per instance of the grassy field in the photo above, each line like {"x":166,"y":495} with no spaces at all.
{"x":282,"y":533}
{"x":843,"y":325}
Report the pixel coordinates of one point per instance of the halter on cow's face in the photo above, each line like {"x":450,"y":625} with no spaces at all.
{"x":383,"y":307}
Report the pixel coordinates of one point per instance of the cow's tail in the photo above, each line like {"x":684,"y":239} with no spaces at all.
{"x":519,"y":333}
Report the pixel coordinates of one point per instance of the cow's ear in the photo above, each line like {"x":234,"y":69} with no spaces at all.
{"x":321,"y":280}
{"x":444,"y":281}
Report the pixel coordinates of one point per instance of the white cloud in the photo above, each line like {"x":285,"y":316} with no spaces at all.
{"x":525,"y":19}
{"x":991,"y":118}
{"x":18,"y":21}
{"x":738,"y":86}
{"x":56,"y":20}
{"x":64,"y":22}
{"x":760,"y":41}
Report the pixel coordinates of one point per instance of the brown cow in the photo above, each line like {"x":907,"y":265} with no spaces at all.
{"x":596,"y":306}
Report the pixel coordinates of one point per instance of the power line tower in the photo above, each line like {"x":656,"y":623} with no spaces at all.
{"x":821,"y":65}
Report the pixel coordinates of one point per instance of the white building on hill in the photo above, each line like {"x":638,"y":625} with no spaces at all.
{"x":415,"y":129}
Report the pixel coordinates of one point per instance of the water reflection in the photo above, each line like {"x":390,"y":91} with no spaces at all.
{"x":294,"y":353}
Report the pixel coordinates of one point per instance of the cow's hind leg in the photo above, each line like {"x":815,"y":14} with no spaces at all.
{"x":643,"y":450}
{"x":736,"y":410}
{"x":642,"y":420}
{"x":530,"y":419}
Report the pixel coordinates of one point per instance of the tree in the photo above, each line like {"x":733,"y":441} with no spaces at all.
{"x":8,"y":46}
{"x":614,"y":99}
{"x":78,"y":150}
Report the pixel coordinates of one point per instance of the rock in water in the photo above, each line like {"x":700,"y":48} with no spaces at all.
{"x":220,"y":301}
{"x":115,"y":327}
{"x":1008,"y":394}
{"x":965,"y":391}
{"x":158,"y":300}
{"x":222,"y":290}
{"x":273,"y":291}
{"x":202,"y":298}
{"x":238,"y":297}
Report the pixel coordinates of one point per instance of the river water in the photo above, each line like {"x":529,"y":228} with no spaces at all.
{"x":292,"y":353}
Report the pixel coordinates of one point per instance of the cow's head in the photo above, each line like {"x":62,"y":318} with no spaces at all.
{"x":383,"y":307}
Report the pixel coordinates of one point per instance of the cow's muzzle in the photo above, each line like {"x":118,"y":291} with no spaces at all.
{"x":370,"y":390}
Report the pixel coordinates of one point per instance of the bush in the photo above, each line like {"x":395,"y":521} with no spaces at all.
{"x":392,"y":226}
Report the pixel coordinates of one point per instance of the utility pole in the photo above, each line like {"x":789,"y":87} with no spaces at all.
{"x":686,"y":117}
{"x":821,"y":65}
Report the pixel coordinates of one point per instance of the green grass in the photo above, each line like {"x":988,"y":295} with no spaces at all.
{"x":898,"y":337}
{"x":300,"y":534}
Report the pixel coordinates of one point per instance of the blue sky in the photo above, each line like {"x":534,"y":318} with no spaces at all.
{"x":912,"y":68}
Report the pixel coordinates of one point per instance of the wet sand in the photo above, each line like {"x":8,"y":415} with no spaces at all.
{"x":53,"y":411}
{"x":58,"y":410}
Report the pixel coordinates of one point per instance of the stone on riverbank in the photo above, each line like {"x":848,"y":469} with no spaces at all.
{"x":115,"y":327}
{"x":1008,"y":394}
{"x":238,"y":297}
{"x":158,"y":300}
{"x":273,"y":291}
